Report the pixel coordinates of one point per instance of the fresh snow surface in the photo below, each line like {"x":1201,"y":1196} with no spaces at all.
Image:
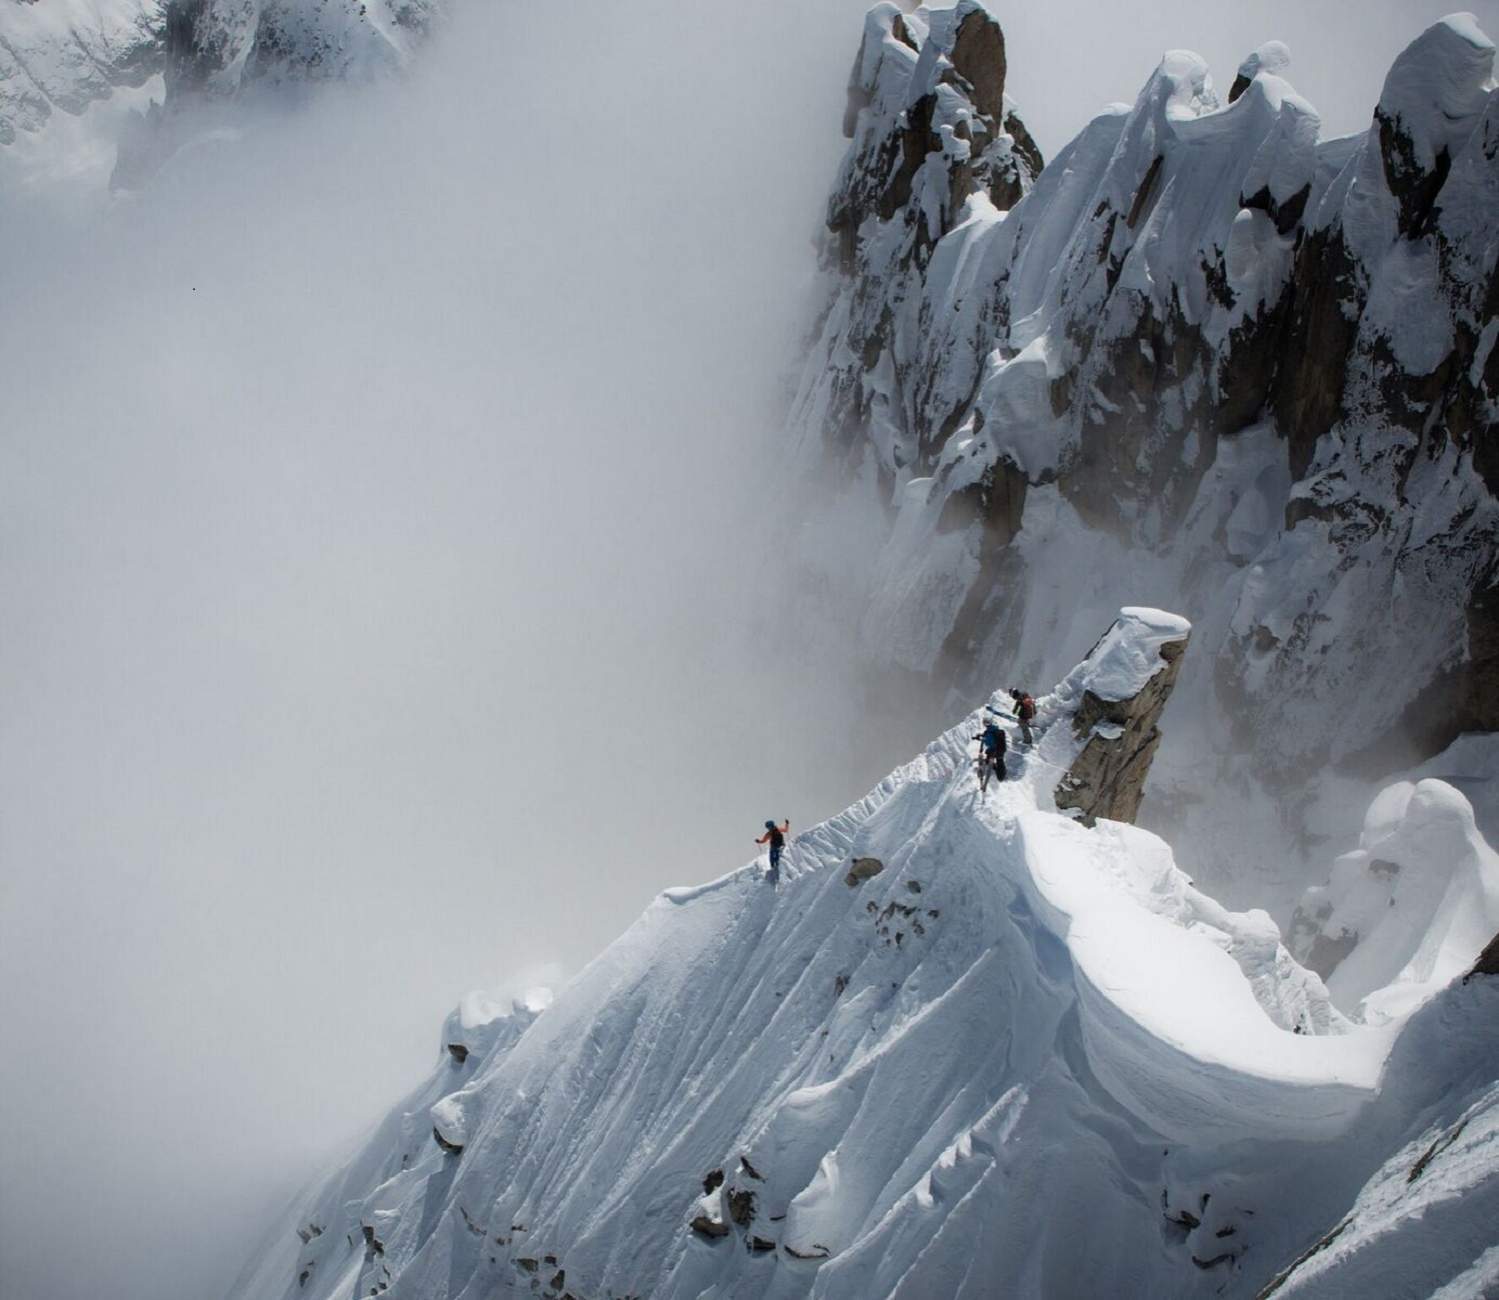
{"x":1130,"y":653}
{"x":1023,"y":1057}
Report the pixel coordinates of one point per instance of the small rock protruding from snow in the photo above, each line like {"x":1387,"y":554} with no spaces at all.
{"x":1488,"y":961}
{"x":861,"y":870}
{"x":711,"y":1219}
{"x":449,"y":1125}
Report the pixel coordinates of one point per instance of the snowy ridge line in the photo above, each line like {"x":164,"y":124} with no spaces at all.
{"x":837,"y":1089}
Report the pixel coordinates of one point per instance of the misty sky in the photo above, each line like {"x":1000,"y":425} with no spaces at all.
{"x":388,"y":576}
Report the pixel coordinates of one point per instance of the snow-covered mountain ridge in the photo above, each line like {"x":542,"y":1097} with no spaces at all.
{"x":970,"y":1047}
{"x":1203,"y":358}
{"x":62,"y":55}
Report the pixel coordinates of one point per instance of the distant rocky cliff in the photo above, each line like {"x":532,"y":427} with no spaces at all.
{"x":61,"y":56}
{"x":1203,"y":359}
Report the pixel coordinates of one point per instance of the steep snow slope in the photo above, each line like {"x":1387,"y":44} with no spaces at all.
{"x":1424,"y":1223}
{"x":1204,"y":359}
{"x":968,"y":1048}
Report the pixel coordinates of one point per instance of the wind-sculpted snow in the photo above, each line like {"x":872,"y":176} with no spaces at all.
{"x":1410,"y":908}
{"x":1204,"y":359}
{"x":1016,"y":1057}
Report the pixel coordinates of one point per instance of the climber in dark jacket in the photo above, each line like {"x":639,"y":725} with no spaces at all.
{"x":775,"y":836}
{"x":1025,"y":711}
{"x":992,"y":743}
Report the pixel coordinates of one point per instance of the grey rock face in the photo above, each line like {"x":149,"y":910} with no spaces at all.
{"x":1108,"y":778}
{"x":930,"y":129}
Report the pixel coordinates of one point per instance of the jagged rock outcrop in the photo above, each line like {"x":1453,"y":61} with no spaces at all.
{"x":1120,"y":735}
{"x":933,"y":138}
{"x":1206,"y":356}
{"x":1408,"y":909}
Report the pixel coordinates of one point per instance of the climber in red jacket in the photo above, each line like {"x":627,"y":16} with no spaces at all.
{"x":775,"y":836}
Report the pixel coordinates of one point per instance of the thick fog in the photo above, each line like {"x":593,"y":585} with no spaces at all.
{"x":390,"y":574}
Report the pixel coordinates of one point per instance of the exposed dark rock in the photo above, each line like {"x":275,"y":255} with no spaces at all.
{"x":448,"y":1148}
{"x":978,"y":56}
{"x":816,"y":1252}
{"x":1488,"y":961}
{"x":742,"y":1207}
{"x":759,"y":1245}
{"x":910,"y":172}
{"x":750,"y":1170}
{"x":458,"y":1052}
{"x":1415,"y":187}
{"x":1326,"y":300}
{"x":861,"y":870}
{"x":1326,"y":952}
{"x":528,"y":1265}
{"x":713,"y":1181}
{"x":1108,"y":778}
{"x":372,"y":1244}
{"x":1434,"y":1150}
{"x":710,"y":1228}
{"x":1145,"y":195}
